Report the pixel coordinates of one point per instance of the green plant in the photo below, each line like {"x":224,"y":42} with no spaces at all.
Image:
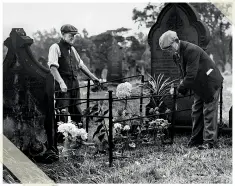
{"x":159,"y":86}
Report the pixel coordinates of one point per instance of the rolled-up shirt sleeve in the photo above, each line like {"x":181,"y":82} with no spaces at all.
{"x":79,"y":60}
{"x":53,"y":56}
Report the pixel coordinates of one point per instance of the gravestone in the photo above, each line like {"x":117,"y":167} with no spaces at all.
{"x":28,"y":90}
{"x":146,"y":57}
{"x":228,"y":68}
{"x":115,"y":57}
{"x":184,"y":20}
{"x":104,"y":74}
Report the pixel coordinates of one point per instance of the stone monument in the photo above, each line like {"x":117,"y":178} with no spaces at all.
{"x":28,"y":91}
{"x":115,"y":57}
{"x":183,"y":19}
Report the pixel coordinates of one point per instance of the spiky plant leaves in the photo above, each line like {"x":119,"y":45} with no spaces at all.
{"x":98,"y":130}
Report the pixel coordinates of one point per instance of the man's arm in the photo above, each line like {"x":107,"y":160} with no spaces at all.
{"x":53,"y":57}
{"x":86,"y":71}
{"x":83,"y":67}
{"x":192,"y":60}
{"x":58,"y":78}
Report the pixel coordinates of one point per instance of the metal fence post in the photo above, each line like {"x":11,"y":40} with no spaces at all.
{"x":88,"y":103}
{"x":221,"y":110}
{"x":110,"y":128}
{"x":172,"y":133}
{"x":141,"y":98}
{"x":221,"y":104}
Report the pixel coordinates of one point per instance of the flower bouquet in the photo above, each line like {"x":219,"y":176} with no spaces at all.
{"x":71,"y":134}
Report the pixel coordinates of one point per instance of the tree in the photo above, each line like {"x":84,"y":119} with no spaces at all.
{"x":141,"y":37}
{"x":218,"y":25}
{"x":148,"y":16}
{"x":85,"y":33}
{"x":43,"y":41}
{"x":104,"y":44}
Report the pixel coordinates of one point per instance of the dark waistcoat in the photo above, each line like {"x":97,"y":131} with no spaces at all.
{"x":68,"y":65}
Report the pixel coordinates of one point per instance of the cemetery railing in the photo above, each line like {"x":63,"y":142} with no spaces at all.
{"x":111,"y":100}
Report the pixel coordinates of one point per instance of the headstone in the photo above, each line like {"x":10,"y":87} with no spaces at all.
{"x":43,"y":62}
{"x":228,"y":69}
{"x":184,"y":20}
{"x":146,"y":57}
{"x":104,"y":74}
{"x":28,"y":97}
{"x":115,"y":57}
{"x":220,"y":66}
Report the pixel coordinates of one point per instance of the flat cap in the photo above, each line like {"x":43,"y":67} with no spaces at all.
{"x":166,"y":39}
{"x":68,"y":29}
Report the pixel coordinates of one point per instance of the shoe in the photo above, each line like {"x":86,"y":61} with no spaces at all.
{"x":206,"y":146}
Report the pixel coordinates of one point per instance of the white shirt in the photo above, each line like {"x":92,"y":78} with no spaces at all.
{"x":54,"y":54}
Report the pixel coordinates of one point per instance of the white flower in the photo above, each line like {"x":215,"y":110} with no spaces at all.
{"x":72,"y":129}
{"x":152,"y":122}
{"x":117,"y":125}
{"x":126,"y":127}
{"x":83,"y":134}
{"x":123,"y":90}
{"x":59,"y":123}
{"x":160,"y":120}
{"x":124,"y":113}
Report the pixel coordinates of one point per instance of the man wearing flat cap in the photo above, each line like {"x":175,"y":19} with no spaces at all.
{"x":202,"y":76}
{"x":65,"y":63}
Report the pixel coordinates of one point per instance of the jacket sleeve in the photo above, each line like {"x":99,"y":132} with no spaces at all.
{"x":192,"y":63}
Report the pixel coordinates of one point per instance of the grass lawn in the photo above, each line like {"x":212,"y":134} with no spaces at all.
{"x":150,"y":164}
{"x":227,"y":97}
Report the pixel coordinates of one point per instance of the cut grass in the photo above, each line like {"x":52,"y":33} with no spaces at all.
{"x":156,"y":164}
{"x":150,"y":164}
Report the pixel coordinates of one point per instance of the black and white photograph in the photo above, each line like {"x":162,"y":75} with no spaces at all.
{"x":135,"y":92}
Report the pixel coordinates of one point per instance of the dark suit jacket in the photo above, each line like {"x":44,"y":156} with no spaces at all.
{"x":200,"y":73}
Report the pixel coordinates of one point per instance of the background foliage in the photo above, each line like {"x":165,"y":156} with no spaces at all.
{"x":135,"y":48}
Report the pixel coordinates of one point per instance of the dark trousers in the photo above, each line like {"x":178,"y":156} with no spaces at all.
{"x":205,"y":120}
{"x":70,"y":106}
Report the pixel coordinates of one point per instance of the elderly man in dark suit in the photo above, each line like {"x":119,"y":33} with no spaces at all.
{"x":202,"y":76}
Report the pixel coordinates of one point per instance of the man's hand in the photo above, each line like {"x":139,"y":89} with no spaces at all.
{"x":97,"y":86}
{"x":96,"y":82}
{"x":181,"y":89}
{"x":63,"y":86}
